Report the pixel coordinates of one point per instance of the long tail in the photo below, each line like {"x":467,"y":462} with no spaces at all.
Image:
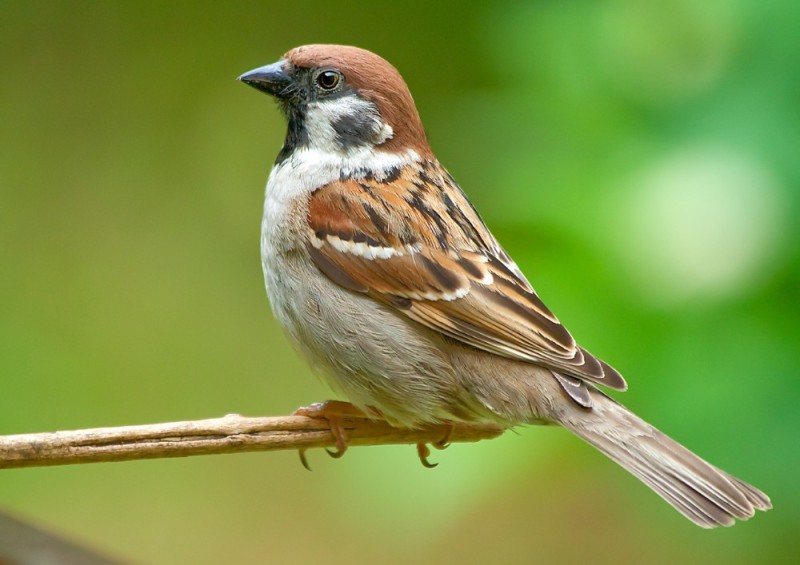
{"x":708,"y":496}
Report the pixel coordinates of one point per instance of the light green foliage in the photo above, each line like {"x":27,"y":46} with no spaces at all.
{"x":640,"y":160}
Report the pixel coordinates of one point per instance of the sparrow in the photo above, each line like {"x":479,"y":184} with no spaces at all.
{"x":383,"y":274}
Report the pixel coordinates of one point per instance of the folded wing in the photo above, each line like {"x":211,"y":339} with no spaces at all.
{"x":411,"y":240}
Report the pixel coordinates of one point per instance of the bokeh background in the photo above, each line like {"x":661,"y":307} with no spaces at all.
{"x":640,"y":160}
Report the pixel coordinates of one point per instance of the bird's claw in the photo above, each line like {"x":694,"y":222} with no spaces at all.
{"x":444,"y":443}
{"x":423,"y":451}
{"x":334,"y":411}
{"x":303,"y":459}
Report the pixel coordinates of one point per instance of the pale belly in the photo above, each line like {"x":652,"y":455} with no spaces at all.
{"x":374,"y":356}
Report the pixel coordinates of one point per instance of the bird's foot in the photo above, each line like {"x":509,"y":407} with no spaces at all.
{"x":423,"y":451}
{"x":334,"y":411}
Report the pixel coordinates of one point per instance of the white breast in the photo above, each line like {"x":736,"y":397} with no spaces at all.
{"x":376,"y":357}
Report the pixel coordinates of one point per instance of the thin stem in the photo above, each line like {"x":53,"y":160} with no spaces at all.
{"x":230,"y":434}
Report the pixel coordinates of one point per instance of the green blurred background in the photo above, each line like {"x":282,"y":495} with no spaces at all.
{"x":640,"y":160}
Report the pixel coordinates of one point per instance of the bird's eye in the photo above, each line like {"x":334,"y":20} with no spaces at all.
{"x":328,"y":80}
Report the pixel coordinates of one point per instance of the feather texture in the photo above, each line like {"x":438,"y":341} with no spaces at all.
{"x":409,"y":238}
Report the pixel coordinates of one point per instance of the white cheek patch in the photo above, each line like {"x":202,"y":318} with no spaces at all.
{"x":367,"y":126}
{"x":319,"y":125}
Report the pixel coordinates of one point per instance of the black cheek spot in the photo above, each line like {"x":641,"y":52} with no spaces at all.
{"x":355,"y":130}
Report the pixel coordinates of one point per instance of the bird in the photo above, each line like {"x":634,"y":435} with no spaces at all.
{"x":384,"y":276}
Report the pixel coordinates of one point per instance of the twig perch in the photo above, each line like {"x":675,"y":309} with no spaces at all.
{"x":230,"y":434}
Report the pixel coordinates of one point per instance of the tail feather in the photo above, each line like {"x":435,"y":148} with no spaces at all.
{"x":706,"y":495}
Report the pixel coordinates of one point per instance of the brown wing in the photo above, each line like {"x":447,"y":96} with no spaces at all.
{"x":411,"y":239}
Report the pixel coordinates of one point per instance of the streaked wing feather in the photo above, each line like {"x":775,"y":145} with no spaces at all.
{"x":415,"y":243}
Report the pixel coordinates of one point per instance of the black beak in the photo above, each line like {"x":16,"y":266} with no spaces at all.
{"x":271,"y":79}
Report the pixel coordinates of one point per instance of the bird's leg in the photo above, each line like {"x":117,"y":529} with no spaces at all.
{"x":334,"y":411}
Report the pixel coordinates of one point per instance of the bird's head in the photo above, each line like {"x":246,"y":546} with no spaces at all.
{"x":340,"y":99}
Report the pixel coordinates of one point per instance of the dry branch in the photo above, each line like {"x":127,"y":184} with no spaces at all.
{"x":230,"y":434}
